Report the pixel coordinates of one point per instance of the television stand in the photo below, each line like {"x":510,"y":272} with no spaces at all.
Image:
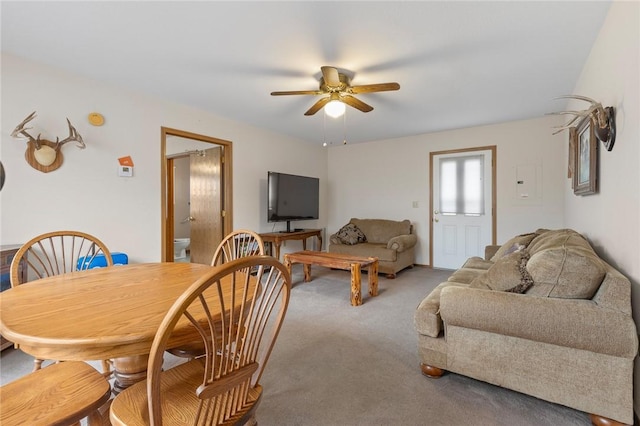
{"x":275,"y":239}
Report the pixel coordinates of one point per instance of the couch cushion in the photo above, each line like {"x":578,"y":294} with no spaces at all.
{"x":466,"y":275}
{"x":350,"y":234}
{"x":566,"y":272}
{"x":509,"y":273}
{"x":382,"y":230}
{"x":516,"y":243}
{"x":367,"y":250}
{"x":556,"y":238}
{"x":477,"y":262}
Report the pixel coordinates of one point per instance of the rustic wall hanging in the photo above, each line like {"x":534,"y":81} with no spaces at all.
{"x":603,"y":117}
{"x":42,"y":154}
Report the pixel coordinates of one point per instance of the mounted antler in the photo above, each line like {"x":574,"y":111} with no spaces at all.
{"x":21,"y":130}
{"x":73,"y":136}
{"x":605,"y":129}
{"x":41,"y":154}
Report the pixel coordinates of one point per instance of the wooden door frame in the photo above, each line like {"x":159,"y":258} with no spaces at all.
{"x":166,"y":189}
{"x":494,"y":212}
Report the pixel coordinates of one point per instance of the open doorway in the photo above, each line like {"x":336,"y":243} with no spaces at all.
{"x":207,"y":208}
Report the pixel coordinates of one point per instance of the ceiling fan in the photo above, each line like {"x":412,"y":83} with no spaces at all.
{"x":338,"y":88}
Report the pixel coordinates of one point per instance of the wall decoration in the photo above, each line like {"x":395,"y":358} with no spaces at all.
{"x":96,"y":119}
{"x":585,"y":176}
{"x":42,"y":154}
{"x":1,"y":175}
{"x":573,"y":140}
{"x":603,"y":119}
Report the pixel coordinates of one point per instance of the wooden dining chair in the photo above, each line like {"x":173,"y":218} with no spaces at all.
{"x":59,"y":394}
{"x":56,"y":253}
{"x":237,"y":244}
{"x":238,"y":332}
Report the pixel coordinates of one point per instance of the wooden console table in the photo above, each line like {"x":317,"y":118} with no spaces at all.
{"x":275,"y":239}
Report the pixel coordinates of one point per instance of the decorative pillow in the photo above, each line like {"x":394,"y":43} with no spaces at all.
{"x":515,"y":244}
{"x":350,"y":234}
{"x":509,"y":274}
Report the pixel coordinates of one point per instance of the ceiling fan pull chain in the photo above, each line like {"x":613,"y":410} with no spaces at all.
{"x":344,"y":128}
{"x":324,"y":129}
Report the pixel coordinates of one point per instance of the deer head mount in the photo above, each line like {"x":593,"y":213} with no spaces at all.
{"x":602,"y":118}
{"x":42,"y":154}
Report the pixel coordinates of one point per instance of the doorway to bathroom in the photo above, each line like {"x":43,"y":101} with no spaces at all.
{"x":196,"y":189}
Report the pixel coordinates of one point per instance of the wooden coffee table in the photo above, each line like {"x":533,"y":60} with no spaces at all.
{"x":338,"y":261}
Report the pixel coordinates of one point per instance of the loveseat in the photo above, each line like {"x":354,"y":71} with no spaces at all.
{"x":392,"y":242}
{"x":542,"y":315}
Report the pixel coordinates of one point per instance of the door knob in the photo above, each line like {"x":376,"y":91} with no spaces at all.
{"x":188,"y":219}
{"x":435,"y":219}
{"x":436,"y":212}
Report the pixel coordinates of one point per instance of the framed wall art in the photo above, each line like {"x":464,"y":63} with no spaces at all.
{"x":573,"y":140}
{"x":585,"y":172}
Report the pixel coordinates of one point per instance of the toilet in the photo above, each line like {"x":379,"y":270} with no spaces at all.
{"x":180,"y":245}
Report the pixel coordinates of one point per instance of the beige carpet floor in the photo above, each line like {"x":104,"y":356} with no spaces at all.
{"x":335,"y":364}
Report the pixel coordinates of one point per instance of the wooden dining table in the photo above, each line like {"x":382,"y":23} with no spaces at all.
{"x":103,"y":313}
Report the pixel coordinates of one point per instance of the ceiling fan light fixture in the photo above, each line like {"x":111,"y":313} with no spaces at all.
{"x":334,"y":108}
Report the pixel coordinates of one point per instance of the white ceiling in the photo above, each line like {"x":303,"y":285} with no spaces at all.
{"x":459,"y":64}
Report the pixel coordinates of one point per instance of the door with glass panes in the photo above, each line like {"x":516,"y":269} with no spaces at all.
{"x":462,"y":201}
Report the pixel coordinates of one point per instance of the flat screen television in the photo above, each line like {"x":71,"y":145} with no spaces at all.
{"x":292,"y":197}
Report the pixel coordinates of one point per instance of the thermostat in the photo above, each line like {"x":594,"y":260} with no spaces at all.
{"x":125,"y":171}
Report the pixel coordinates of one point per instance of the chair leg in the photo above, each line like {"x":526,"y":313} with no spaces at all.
{"x":96,"y":419}
{"x":37,"y":364}
{"x":107,"y":369}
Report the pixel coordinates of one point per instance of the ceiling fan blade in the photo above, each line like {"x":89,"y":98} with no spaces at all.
{"x":318,"y":106}
{"x":298,"y":92}
{"x":370,"y":88}
{"x":356,"y":103}
{"x":331,"y":77}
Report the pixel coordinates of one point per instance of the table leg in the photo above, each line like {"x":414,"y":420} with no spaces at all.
{"x":307,"y":272}
{"x":277,"y":245}
{"x":287,"y":263}
{"x":373,"y":279}
{"x":128,"y":371}
{"x":356,"y":296}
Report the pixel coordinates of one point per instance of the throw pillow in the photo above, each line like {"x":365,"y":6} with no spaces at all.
{"x":350,"y":234}
{"x":508,"y":274}
{"x":515,"y":244}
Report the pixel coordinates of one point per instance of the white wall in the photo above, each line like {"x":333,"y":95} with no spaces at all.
{"x":382,"y":179}
{"x":86,"y":194}
{"x":611,"y":218}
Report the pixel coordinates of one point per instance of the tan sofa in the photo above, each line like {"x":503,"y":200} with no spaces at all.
{"x":391,"y":241}
{"x":542,"y":315}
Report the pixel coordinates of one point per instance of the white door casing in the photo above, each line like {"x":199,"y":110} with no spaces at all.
{"x":456,"y":236}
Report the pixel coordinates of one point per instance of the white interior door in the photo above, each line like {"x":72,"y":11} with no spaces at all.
{"x":462,"y":200}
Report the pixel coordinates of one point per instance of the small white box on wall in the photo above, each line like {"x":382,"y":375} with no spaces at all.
{"x":528,"y":184}
{"x":125,"y":171}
